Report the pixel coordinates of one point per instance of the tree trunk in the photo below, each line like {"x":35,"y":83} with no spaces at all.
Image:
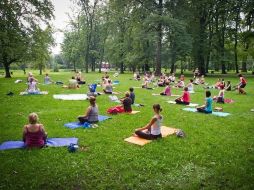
{"x":159,"y":42}
{"x":173,"y":60}
{"x":201,"y":54}
{"x":7,"y":70}
{"x":40,"y":69}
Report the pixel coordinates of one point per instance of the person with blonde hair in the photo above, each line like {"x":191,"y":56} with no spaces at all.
{"x":34,"y":134}
{"x":91,"y":114}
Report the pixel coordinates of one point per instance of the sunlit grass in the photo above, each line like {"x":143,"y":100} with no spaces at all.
{"x":217,"y":153}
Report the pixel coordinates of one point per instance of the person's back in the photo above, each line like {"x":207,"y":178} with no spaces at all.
{"x":127,"y":104}
{"x":132,"y":97}
{"x":34,"y":134}
{"x":32,"y":87}
{"x":186,"y":97}
{"x":73,"y":83}
{"x":109,"y":88}
{"x":167,"y":91}
{"x":34,"y":138}
{"x":156,"y":127}
{"x":93,"y":114}
{"x":209,"y":102}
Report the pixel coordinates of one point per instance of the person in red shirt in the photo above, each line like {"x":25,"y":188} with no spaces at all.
{"x":185,"y":98}
{"x":242,"y":84}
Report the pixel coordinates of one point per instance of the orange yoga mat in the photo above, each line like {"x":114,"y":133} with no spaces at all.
{"x":165,"y":131}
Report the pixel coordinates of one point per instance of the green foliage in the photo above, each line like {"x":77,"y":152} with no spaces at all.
{"x":19,"y":22}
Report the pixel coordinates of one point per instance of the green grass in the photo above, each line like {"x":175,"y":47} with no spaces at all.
{"x":217,"y":153}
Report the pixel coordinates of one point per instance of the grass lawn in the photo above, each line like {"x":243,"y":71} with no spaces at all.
{"x":217,"y":153}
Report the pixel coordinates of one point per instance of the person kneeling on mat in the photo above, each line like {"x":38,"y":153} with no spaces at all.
{"x":185,"y":98}
{"x":207,"y":108}
{"x":91,"y":114}
{"x":153,"y":129}
{"x":34,"y":135}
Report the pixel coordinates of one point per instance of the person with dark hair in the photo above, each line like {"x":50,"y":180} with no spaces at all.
{"x":228,"y":86}
{"x":190,"y":86}
{"x":220,"y":97}
{"x":242,"y":84}
{"x":152,"y":130}
{"x":207,"y":108}
{"x":185,"y":98}
{"x":91,"y":114}
{"x":127,"y":101}
{"x":167,"y":90}
{"x":132,"y":95}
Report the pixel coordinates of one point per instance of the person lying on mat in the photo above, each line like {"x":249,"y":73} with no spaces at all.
{"x":108,"y":88}
{"x":127,"y":101}
{"x":207,"y":108}
{"x":73,"y":84}
{"x":47,"y":79}
{"x":220,"y":97}
{"x":91,"y":114}
{"x":167,"y":90}
{"x":185,"y":98}
{"x":153,"y":129}
{"x":32,"y":86}
{"x":34,"y":134}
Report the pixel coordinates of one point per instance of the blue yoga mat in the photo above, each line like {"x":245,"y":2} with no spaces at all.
{"x":74,"y":125}
{"x":220,"y":114}
{"x":116,"y":82}
{"x":52,"y":142}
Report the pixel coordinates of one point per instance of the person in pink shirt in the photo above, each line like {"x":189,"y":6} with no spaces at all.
{"x":185,"y":98}
{"x":34,"y":134}
{"x":167,"y":91}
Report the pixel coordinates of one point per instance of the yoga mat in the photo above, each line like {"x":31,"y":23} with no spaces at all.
{"x":165,"y":131}
{"x":70,"y":96}
{"x":190,"y":105}
{"x":173,"y":95}
{"x":39,"y":93}
{"x":134,"y":112}
{"x":74,"y":125}
{"x":52,"y":142}
{"x":229,"y":101}
{"x":220,"y":114}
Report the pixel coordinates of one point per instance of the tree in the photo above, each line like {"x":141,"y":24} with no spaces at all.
{"x":18,"y":21}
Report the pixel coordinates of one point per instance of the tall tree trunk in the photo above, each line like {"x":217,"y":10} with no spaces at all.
{"x":223,"y":65}
{"x":159,"y":41}
{"x":173,"y":59}
{"x":40,"y":69}
{"x":7,"y":70}
{"x":236,"y":36}
{"x":201,"y":46}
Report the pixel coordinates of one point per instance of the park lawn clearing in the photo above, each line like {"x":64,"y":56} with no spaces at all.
{"x":217,"y":152}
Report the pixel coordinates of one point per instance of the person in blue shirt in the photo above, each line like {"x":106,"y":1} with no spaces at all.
{"x":207,"y":108}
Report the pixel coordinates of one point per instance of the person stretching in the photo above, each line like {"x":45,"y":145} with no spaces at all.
{"x":91,"y":115}
{"x":153,"y":129}
{"x":185,"y":98}
{"x":242,"y":84}
{"x":34,"y":134}
{"x":207,"y":108}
